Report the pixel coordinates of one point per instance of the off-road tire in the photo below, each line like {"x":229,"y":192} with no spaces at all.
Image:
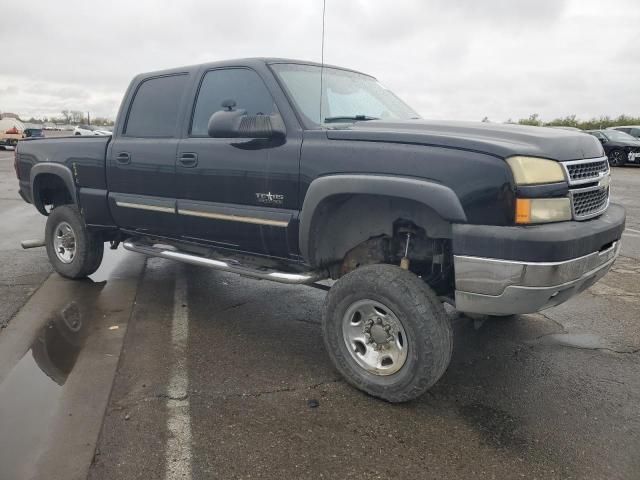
{"x":89,"y":248}
{"x":428,"y":330}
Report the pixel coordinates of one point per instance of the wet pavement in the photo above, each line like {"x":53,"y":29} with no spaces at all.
{"x":21,"y":271}
{"x":210,"y":375}
{"x":58,"y":358}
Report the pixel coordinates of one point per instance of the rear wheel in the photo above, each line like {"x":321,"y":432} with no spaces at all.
{"x":617,"y":158}
{"x":73,"y":251}
{"x":386,"y":332}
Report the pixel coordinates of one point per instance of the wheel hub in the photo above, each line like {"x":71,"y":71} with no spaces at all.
{"x":64,"y":242}
{"x":378,"y":333}
{"x":375,"y":337}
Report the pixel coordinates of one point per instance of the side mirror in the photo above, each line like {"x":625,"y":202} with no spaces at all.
{"x":237,"y":124}
{"x":603,"y":140}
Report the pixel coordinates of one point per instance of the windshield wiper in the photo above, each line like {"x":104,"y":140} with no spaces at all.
{"x":344,"y":118}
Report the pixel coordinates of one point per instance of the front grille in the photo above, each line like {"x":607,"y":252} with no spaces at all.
{"x":589,"y":202}
{"x":585,"y":171}
{"x":588,"y":186}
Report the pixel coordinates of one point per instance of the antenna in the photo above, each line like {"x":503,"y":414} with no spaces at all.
{"x":324,"y":9}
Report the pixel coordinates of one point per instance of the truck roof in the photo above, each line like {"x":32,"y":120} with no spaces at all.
{"x":241,"y":62}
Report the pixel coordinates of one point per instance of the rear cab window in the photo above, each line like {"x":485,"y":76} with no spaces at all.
{"x":154,"y":110}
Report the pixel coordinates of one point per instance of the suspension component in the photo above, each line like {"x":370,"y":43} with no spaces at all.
{"x":404,"y":262}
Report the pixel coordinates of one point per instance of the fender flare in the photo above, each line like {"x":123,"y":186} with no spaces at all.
{"x":61,"y":171}
{"x":433,"y":195}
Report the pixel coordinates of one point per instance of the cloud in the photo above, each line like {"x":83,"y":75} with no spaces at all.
{"x":448,"y":58}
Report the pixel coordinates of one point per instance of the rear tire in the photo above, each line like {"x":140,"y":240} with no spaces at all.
{"x":419,"y":339}
{"x":73,"y":251}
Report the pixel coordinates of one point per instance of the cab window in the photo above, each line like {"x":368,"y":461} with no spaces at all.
{"x":155,"y":106}
{"x":241,"y":85}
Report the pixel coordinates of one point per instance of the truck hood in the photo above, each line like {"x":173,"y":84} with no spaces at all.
{"x":501,"y":140}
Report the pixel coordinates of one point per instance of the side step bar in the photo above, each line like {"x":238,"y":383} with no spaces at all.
{"x":166,"y":251}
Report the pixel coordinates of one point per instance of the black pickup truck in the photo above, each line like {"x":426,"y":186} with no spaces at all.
{"x":297,"y":173}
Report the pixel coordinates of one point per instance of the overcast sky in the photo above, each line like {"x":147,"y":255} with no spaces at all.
{"x":448,"y":59}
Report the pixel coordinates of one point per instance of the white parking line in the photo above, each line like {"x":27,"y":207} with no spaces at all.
{"x":178,"y":447}
{"x":634,"y":235}
{"x":632,"y":230}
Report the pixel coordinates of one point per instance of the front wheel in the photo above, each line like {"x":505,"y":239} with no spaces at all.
{"x":386,"y":332}
{"x":73,"y":251}
{"x":617,"y":158}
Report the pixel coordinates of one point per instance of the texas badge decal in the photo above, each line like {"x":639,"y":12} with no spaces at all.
{"x":270,"y":198}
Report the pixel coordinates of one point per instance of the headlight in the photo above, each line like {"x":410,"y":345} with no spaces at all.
{"x":542,"y":210}
{"x":532,"y":170}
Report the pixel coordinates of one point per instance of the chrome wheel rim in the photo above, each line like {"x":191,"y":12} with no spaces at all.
{"x":64,"y":242}
{"x":375,"y":337}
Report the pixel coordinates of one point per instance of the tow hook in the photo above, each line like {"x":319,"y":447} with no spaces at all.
{"x":113,"y":244}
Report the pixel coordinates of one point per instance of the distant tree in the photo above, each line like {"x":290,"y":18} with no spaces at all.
{"x":101,"y":121}
{"x":66,"y":115}
{"x":532,"y":120}
{"x":600,"y":122}
{"x":568,"y":121}
{"x":76,"y":116}
{"x":485,"y":119}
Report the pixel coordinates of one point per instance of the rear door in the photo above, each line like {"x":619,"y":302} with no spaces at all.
{"x":141,"y":158}
{"x":238,"y":193}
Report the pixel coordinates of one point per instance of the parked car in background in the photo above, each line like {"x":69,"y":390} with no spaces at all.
{"x":89,"y":130}
{"x":633,"y":130}
{"x":33,"y":133}
{"x":10,"y":131}
{"x":83,"y":130}
{"x":620,"y":147}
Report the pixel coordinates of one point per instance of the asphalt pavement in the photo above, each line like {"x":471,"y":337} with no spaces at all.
{"x":201,"y":374}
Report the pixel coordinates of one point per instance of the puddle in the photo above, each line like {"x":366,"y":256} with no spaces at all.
{"x":587,"y":341}
{"x":577,"y":340}
{"x":110,"y":260}
{"x":31,"y":393}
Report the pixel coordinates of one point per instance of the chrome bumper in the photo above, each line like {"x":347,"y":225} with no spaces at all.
{"x":503,"y":287}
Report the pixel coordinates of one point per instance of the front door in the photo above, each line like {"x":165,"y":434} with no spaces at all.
{"x":237,"y":193}
{"x":141,"y":159}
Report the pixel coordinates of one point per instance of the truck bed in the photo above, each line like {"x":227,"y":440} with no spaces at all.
{"x":83,"y":156}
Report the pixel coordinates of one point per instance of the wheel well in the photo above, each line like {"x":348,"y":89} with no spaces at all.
{"x":50,"y":190}
{"x":348,"y":231}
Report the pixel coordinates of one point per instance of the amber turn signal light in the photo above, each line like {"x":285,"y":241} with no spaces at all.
{"x":523,"y":210}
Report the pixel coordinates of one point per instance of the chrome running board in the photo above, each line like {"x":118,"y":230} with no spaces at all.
{"x":166,"y":251}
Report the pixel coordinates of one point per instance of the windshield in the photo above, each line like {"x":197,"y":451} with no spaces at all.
{"x":346,"y":96}
{"x":619,"y":136}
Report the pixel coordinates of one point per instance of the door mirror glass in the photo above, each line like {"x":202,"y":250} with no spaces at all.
{"x":237,"y":124}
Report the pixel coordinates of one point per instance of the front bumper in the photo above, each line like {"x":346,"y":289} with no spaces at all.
{"x":503,"y":286}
